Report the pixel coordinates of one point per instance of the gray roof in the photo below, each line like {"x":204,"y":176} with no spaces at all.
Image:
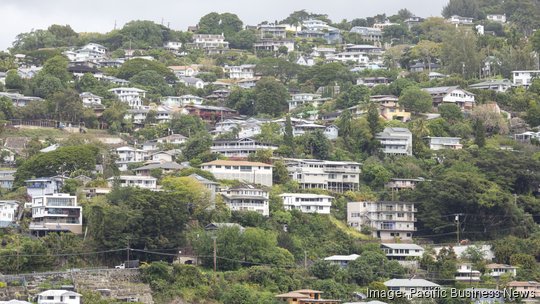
{"x":410,"y":283}
{"x":167,"y":166}
{"x":402,"y":246}
{"x":202,"y":179}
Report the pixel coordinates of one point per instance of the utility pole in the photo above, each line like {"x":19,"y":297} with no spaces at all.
{"x":457,"y":226}
{"x":127,"y":251}
{"x":305,"y":259}
{"x":215,"y":252}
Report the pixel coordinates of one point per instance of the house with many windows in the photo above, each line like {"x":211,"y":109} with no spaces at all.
{"x":395,"y":141}
{"x":8,"y":212}
{"x":443,"y":143}
{"x":524,"y":78}
{"x":55,"y":213}
{"x":44,"y":186}
{"x":129,"y":155}
{"x":387,"y":220}
{"x":240,"y":148}
{"x":139,"y":181}
{"x":247,"y":198}
{"x":368,"y":33}
{"x":466,"y":273}
{"x":307,"y":202}
{"x":452,"y":95}
{"x":404,"y":254}
{"x":342,"y":260}
{"x":58,"y":297}
{"x":301,"y":99}
{"x":245,"y":71}
{"x":131,"y":96}
{"x":244,"y":171}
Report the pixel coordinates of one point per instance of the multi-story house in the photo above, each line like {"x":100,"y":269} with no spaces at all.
{"x":405,"y":254}
{"x":357,"y":57}
{"x":398,"y":184}
{"x":210,"y":43}
{"x":272,"y":30}
{"x":179,"y":101}
{"x":55,"y":213}
{"x":443,"y":143}
{"x":184,"y":70}
{"x":524,"y":78}
{"x":386,"y":220}
{"x":192,"y":82}
{"x":496,"y":270}
{"x":7,"y":177}
{"x":466,"y":273}
{"x":8,"y":212}
{"x":90,"y":99}
{"x":247,"y":198}
{"x":129,"y":155}
{"x":245,"y":71}
{"x":20,"y":100}
{"x":241,"y":148}
{"x":395,"y":141}
{"x":59,"y":297}
{"x":301,"y":99}
{"x":331,"y":132}
{"x":44,"y":186}
{"x":368,"y":33}
{"x":132,"y":96}
{"x":337,"y":176}
{"x":244,"y":171}
{"x":452,"y":95}
{"x":390,"y":109}
{"x":140,"y":181}
{"x":304,"y":296}
{"x":307,"y":202}
{"x":209,"y":113}
{"x":373,"y":81}
{"x":172,"y":45}
{"x":271,"y":45}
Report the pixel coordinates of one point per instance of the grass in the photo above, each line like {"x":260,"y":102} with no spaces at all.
{"x":43,"y":133}
{"x":348,"y":230}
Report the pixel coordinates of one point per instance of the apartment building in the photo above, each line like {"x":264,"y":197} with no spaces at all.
{"x":524,"y":78}
{"x":386,"y":220}
{"x":44,"y":186}
{"x":395,"y":141}
{"x":337,"y":176}
{"x":245,"y":71}
{"x":55,"y":213}
{"x":307,"y":202}
{"x":210,"y":43}
{"x":129,"y":155}
{"x":247,"y":198}
{"x":240,"y":148}
{"x":244,"y":171}
{"x":132,"y":96}
{"x":8,"y":212}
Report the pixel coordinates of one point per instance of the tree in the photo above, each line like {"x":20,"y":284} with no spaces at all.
{"x":191,"y":190}
{"x":316,"y":144}
{"x":143,"y":34}
{"x":427,"y":51}
{"x":278,"y":68}
{"x":7,"y":109}
{"x":324,"y":269}
{"x":416,"y":100}
{"x":459,"y":53}
{"x":372,"y":266}
{"x":67,"y":106}
{"x":451,"y":112}
{"x":243,"y":40}
{"x":479,"y":133}
{"x":270,"y":97}
{"x":197,"y":145}
{"x":57,"y":67}
{"x":14,"y":81}
{"x":373,"y":119}
{"x":463,"y":8}
{"x":352,"y":97}
{"x":288,"y":137}
{"x":135,"y":66}
{"x":214,"y":23}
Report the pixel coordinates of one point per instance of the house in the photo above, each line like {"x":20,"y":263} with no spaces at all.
{"x":246,"y":198}
{"x":210,"y":43}
{"x":331,"y":132}
{"x":395,"y":141}
{"x":192,"y":82}
{"x":305,"y":61}
{"x":443,"y":143}
{"x":337,"y":176}
{"x":184,"y":70}
{"x":217,"y":226}
{"x":173,"y":139}
{"x":460,"y":250}
{"x":129,"y":155}
{"x":307,"y":202}
{"x":532,"y":288}
{"x":364,"y":48}
{"x":14,"y":302}
{"x":412,"y":21}
{"x":302,"y":99}
{"x":527,"y":136}
{"x":161,"y":157}
{"x":244,"y":171}
{"x":212,"y":186}
{"x":372,"y":81}
{"x":524,"y":78}
{"x":405,"y":254}
{"x":389,"y":108}
{"x":497,"y":270}
{"x":179,"y":101}
{"x":315,"y":25}
{"x":132,"y":96}
{"x":387,"y":220}
{"x":57,"y":212}
{"x":342,"y":260}
{"x":357,"y":57}
{"x":304,"y":296}
{"x":140,"y":181}
{"x":90,"y":99}
{"x":172,"y":45}
{"x":165,"y":168}
{"x":209,"y":113}
{"x":58,"y":297}
{"x":8,"y":212}
{"x":44,"y":186}
{"x":28,"y":72}
{"x":241,"y":148}
{"x":465,"y":273}
{"x":499,"y":86}
{"x":6,"y":179}
{"x":500,"y":18}
{"x":323,"y":51}
{"x":398,"y":184}
{"x":245,"y":71}
{"x":436,"y":75}
{"x":452,"y":95}
{"x":458,"y":20}
{"x":420,"y":67}
{"x":273,"y":45}
{"x":20,"y":100}
{"x":272,"y":30}
{"x":412,"y":287}
{"x":368,"y":33}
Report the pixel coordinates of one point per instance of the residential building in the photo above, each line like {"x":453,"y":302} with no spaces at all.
{"x":398,"y":184}
{"x":161,"y":157}
{"x":405,"y":254}
{"x":357,"y":57}
{"x":458,"y":20}
{"x":531,"y":287}
{"x":44,"y":186}
{"x":179,"y":101}
{"x":364,"y":48}
{"x":443,"y":143}
{"x":172,"y":45}
{"x":132,"y":96}
{"x":302,"y":99}
{"x":244,"y":171}
{"x":247,"y":198}
{"x":412,"y":21}
{"x":209,"y":113}
{"x":305,"y":61}
{"x":165,"y":168}
{"x":20,"y":100}
{"x":524,"y":78}
{"x":496,"y":270}
{"x":459,"y":250}
{"x":57,"y":212}
{"x":212,"y":44}
{"x":390,"y":109}
{"x":395,"y":141}
{"x":8,"y":212}
{"x":315,"y":25}
{"x":272,"y":45}
{"x":412,"y":287}
{"x":184,"y":70}
{"x":496,"y":85}
{"x":307,"y":202}
{"x":436,"y":75}
{"x":245,"y":71}
{"x":342,"y":260}
{"x":192,"y":82}
{"x":465,"y":273}
{"x":368,"y":33}
{"x":217,"y":226}
{"x":59,"y":297}
{"x":337,"y":176}
{"x":272,"y":30}
{"x":89,"y":99}
{"x":420,"y":67}
{"x":241,"y":148}
{"x":527,"y":136}
{"x":501,"y":18}
{"x":386,"y":220}
{"x":372,"y":81}
{"x":331,"y":132}
{"x":212,"y":186}
{"x":140,"y":181}
{"x":304,"y":296}
{"x":7,"y":177}
{"x":452,"y":95}
{"x":173,"y":139}
{"x":323,"y":52}
{"x":129,"y":155}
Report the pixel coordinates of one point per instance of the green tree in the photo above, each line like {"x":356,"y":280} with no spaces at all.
{"x":451,"y":112}
{"x":270,"y":97}
{"x":416,"y":100}
{"x":352,"y":97}
{"x":14,"y":81}
{"x":57,"y":67}
{"x":288,"y":137}
{"x":197,"y":145}
{"x":479,"y":133}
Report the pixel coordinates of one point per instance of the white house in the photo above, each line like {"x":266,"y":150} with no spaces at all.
{"x":305,"y":61}
{"x":172,"y":45}
{"x":500,"y":86}
{"x":307,"y":202}
{"x":209,"y":42}
{"x":458,"y":20}
{"x":412,"y":287}
{"x":7,"y":177}
{"x":247,"y":198}
{"x":55,"y":213}
{"x":398,"y":184}
{"x":331,"y":132}
{"x":395,"y":141}
{"x":132,"y":96}
{"x":20,"y":100}
{"x":245,"y":171}
{"x":8,"y":211}
{"x":272,"y":45}
{"x":496,"y":270}
{"x":342,"y":260}
{"x":501,"y":18}
{"x":173,"y":139}
{"x":466,"y":273}
{"x":357,"y":57}
{"x":272,"y":30}
{"x":241,"y":71}
{"x":301,"y":99}
{"x":368,"y":33}
{"x":452,"y":95}
{"x":239,"y":147}
{"x":443,"y":143}
{"x":524,"y":78}
{"x":192,"y":82}
{"x":89,"y":99}
{"x":179,"y":101}
{"x":386,"y":220}
{"x":140,"y":181}
{"x":405,"y":254}
{"x":59,"y":297}
{"x":127,"y":155}
{"x":212,"y":186}
{"x":337,"y":176}
{"x":44,"y":186}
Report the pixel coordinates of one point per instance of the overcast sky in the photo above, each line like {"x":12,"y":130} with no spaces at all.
{"x":100,"y":15}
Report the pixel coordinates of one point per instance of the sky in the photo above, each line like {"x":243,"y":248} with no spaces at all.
{"x":19,"y":16}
